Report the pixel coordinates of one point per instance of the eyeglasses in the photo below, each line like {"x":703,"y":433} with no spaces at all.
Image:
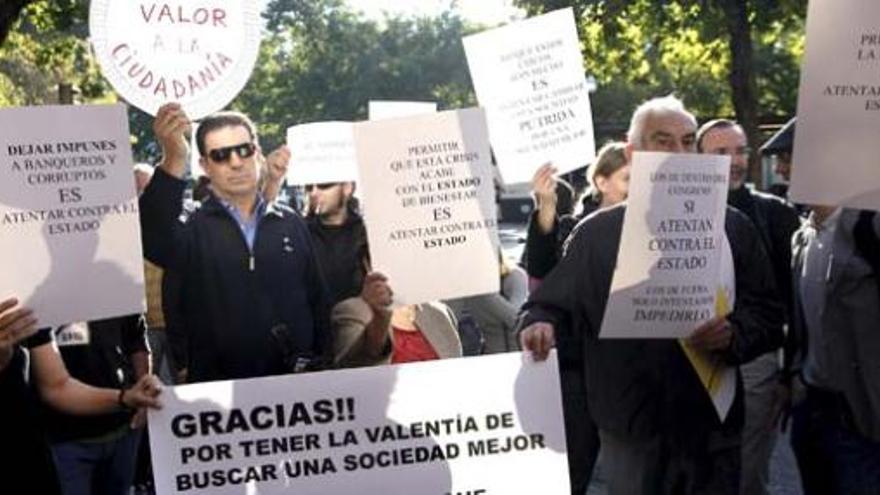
{"x":323,"y":187}
{"x":740,"y":151}
{"x":243,"y":150}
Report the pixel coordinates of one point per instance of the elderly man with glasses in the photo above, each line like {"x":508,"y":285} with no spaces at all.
{"x":254,"y":301}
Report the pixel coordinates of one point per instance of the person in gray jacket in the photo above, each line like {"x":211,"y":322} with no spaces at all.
{"x":833,"y":352}
{"x":368,"y":332}
{"x":658,"y":428}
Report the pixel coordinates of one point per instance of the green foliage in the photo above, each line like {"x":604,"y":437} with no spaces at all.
{"x":321,"y":61}
{"x":47,"y":47}
{"x":318,"y":61}
{"x":636,"y":49}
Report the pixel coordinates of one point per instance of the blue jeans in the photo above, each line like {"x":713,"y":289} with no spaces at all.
{"x":99,"y":468}
{"x":833,"y":458}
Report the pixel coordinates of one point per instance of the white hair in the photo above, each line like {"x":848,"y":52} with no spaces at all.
{"x":651,"y":108}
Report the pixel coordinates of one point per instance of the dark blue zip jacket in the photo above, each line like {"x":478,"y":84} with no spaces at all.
{"x":232,"y":297}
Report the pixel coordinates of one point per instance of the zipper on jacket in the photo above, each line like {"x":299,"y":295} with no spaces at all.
{"x":251,"y":262}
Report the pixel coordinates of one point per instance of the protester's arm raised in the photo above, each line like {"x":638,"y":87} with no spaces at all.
{"x":171,"y":126}
{"x":544,"y":188}
{"x":275,"y":170}
{"x":161,"y":204}
{"x":378,"y":295}
{"x":362,"y":324}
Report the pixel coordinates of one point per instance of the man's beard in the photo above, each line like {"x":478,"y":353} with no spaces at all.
{"x":337,"y":208}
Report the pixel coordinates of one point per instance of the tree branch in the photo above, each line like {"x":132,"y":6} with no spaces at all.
{"x":9,"y":12}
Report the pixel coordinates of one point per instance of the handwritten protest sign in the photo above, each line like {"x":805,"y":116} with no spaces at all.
{"x":197,"y":53}
{"x":386,"y":109}
{"x":668,"y":267}
{"x":430,"y":201}
{"x":477,"y":425}
{"x":321,"y":152}
{"x":836,"y":145}
{"x":68,"y":205}
{"x":529,"y":76}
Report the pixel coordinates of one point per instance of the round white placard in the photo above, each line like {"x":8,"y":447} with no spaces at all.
{"x":199,"y":53}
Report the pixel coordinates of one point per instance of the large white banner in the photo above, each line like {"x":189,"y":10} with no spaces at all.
{"x":836,"y":146}
{"x":529,"y":76}
{"x":429,"y":200}
{"x":668,"y":272}
{"x":390,"y":109}
{"x":321,"y":152}
{"x":69,"y":230}
{"x":199,"y":54}
{"x":483,"y":425}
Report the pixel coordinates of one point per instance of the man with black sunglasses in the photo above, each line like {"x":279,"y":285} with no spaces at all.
{"x":254,"y":301}
{"x":340,"y":237}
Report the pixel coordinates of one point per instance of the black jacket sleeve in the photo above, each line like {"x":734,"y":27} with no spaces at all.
{"x":758,"y":313}
{"x":175,"y":323}
{"x":162,"y":234}
{"x":784,"y":222}
{"x":319,"y":300}
{"x":133,"y":334}
{"x":540,"y":252}
{"x":555,"y":298}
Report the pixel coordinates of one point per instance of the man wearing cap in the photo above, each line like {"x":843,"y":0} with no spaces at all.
{"x":780,"y":145}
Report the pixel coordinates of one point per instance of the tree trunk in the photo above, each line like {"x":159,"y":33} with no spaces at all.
{"x":9,"y":11}
{"x":742,"y":78}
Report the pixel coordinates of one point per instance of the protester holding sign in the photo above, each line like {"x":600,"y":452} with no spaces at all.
{"x":254,"y":300}
{"x":368,"y":332}
{"x":659,"y":429}
{"x":547,"y":233}
{"x":22,"y":432}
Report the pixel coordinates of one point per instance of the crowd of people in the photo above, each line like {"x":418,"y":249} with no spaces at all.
{"x":240,"y":285}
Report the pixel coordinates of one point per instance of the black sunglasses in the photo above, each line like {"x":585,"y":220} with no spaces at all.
{"x":243,"y":150}
{"x":323,"y":186}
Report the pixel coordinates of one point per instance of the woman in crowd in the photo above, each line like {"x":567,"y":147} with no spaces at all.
{"x":369,"y":332}
{"x":609,"y":184}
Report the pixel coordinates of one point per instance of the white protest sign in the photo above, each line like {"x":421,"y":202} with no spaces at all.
{"x":199,"y":54}
{"x":321,"y":152}
{"x":476,"y":425}
{"x":836,"y":145}
{"x":430,"y":201}
{"x":386,"y":109}
{"x":529,"y":76}
{"x":668,"y":272}
{"x":69,"y":230}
